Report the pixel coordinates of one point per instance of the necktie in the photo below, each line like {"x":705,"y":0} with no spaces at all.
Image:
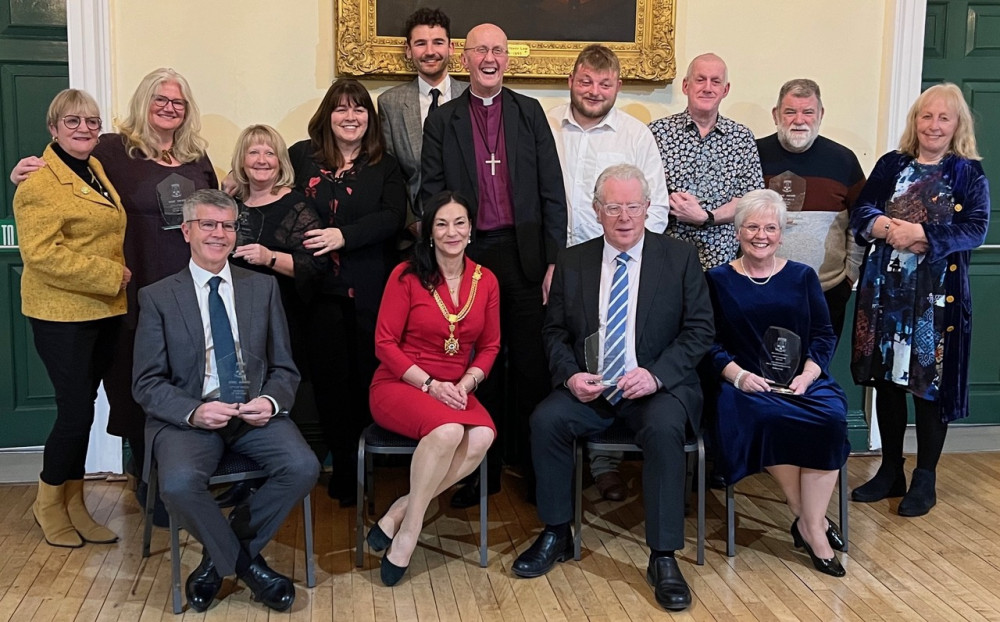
{"x":435,"y":94}
{"x":614,"y":334}
{"x":225,"y":347}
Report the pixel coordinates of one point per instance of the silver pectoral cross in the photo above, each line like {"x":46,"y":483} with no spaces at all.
{"x":493,"y":164}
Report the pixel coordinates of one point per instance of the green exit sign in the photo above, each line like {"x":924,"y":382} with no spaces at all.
{"x":8,"y":233}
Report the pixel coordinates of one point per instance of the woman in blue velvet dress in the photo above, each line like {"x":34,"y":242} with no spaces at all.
{"x":922,"y":211}
{"x":799,"y":436}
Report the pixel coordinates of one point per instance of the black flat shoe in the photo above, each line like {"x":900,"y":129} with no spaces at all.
{"x":669,"y":587}
{"x":268,"y":586}
{"x":830,"y":566}
{"x":921,"y":496}
{"x":544,"y":552}
{"x":833,"y":535}
{"x":390,"y":573}
{"x":378,"y":540}
{"x":889,"y":481}
{"x":203,"y":585}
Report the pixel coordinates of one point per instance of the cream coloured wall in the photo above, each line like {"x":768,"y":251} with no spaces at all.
{"x":252,"y":61}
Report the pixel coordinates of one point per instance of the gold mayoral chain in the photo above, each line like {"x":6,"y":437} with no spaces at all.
{"x":451,"y":346}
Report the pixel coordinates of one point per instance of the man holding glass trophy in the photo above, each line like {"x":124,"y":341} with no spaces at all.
{"x":628,"y":320}
{"x":213,"y":370}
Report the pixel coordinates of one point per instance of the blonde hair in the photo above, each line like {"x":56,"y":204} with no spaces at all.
{"x":188,"y":145}
{"x":71,"y":100}
{"x":963,"y":143}
{"x":261,"y":135}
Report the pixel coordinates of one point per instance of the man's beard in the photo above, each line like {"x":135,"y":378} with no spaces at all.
{"x":796,"y":142}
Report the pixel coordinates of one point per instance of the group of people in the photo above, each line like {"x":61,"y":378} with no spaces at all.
{"x":672,"y":276}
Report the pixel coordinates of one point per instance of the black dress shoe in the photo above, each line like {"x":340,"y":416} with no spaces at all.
{"x":468,"y":496}
{"x":267,"y":586}
{"x":203,"y":584}
{"x":830,"y":566}
{"x":390,"y":573}
{"x":669,"y":587}
{"x":238,"y":493}
{"x":833,"y":535}
{"x":378,"y":540}
{"x":889,"y":481}
{"x":544,"y":552}
{"x":344,"y":491}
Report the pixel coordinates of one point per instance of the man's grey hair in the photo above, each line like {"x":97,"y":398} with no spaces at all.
{"x":763,"y":201}
{"x":799,"y":87}
{"x":214,"y":198}
{"x":621,"y":172}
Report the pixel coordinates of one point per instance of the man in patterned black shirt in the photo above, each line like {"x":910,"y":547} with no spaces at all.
{"x":709,"y":161}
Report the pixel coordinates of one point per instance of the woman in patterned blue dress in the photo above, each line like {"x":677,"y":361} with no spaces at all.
{"x":922,"y":211}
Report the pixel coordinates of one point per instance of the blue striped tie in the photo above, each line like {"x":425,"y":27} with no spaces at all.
{"x":614,"y":334}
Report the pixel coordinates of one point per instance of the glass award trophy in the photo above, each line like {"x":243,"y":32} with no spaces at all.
{"x":246,"y":380}
{"x":592,"y":350}
{"x":170,"y":193}
{"x":780,"y":359}
{"x":249,"y":223}
{"x":792,"y":189}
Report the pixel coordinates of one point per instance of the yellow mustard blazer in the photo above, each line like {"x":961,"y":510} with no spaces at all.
{"x":71,"y":240}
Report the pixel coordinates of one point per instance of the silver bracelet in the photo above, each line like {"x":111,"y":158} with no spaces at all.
{"x":739,"y":377}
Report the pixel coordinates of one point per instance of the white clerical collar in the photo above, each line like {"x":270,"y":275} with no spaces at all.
{"x":487,"y":101}
{"x":425,"y":86}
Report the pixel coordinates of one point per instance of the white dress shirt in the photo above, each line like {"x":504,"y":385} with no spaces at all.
{"x":618,"y":138}
{"x":609,"y":264}
{"x":426,"y":98}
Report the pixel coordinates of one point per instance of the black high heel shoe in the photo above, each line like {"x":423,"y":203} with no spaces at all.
{"x":830,"y":566}
{"x":833,"y":535}
{"x":378,"y":540}
{"x":391,"y":573}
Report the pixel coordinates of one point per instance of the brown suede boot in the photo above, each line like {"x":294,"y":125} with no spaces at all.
{"x":85,"y":525}
{"x":50,"y":514}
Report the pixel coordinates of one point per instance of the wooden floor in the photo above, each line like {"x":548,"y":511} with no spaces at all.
{"x":944,"y":566}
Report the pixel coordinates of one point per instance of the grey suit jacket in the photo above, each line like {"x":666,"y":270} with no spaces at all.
{"x":168,"y":371}
{"x":403,"y":129}
{"x":674,"y":323}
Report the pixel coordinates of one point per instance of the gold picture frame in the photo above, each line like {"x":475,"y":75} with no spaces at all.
{"x":360,"y":51}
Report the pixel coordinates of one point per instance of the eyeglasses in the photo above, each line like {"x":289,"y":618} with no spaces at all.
{"x":72,"y":121}
{"x":755,"y":229}
{"x":208,"y":225}
{"x":615,"y":209}
{"x":482,"y":50}
{"x":161,"y":102}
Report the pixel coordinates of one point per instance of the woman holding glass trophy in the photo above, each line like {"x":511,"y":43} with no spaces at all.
{"x":778,"y":408}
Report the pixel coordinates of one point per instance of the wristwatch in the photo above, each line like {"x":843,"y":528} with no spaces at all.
{"x":426,"y":386}
{"x":709,"y":220}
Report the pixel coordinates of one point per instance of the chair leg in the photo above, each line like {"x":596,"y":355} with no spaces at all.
{"x":307,"y":519}
{"x":844,"y":505}
{"x":578,"y":501}
{"x":370,"y":483}
{"x":151,"y":492}
{"x":483,"y":500}
{"x":701,"y":501}
{"x":175,"y":565}
{"x":730,"y":522}
{"x":359,"y":551}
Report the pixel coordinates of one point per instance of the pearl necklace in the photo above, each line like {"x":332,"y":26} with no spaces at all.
{"x":753,"y":279}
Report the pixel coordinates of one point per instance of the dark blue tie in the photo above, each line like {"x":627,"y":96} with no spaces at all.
{"x":614,"y":333}
{"x":225,"y":347}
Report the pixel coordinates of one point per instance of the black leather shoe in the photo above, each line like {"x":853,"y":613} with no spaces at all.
{"x":889,"y":481}
{"x":669,"y":587}
{"x":378,"y":540}
{"x":833,"y":535}
{"x":390,"y":573}
{"x":921,"y":496}
{"x":267,"y":586}
{"x":546,"y":550}
{"x":468,"y":496}
{"x":238,"y":493}
{"x":830,"y":566}
{"x":203,"y":584}
{"x":344,"y":491}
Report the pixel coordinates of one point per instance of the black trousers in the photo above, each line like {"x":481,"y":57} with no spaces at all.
{"x":660,"y":424}
{"x":837,"y":298}
{"x":75,"y":355}
{"x":522,"y":354}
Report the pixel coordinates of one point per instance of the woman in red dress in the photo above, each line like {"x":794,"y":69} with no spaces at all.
{"x":437,"y":335}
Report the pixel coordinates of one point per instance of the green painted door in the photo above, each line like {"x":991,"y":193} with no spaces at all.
{"x":962,"y":45}
{"x":33,"y":68}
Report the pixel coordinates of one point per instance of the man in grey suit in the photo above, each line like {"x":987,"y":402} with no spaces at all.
{"x":402,"y":109}
{"x":208,"y":339}
{"x":646,"y":298}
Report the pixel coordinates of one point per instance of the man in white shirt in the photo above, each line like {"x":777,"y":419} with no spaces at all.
{"x":213,"y":370}
{"x":591,"y":135}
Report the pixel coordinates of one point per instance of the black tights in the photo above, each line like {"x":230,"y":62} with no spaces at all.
{"x":890,"y":401}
